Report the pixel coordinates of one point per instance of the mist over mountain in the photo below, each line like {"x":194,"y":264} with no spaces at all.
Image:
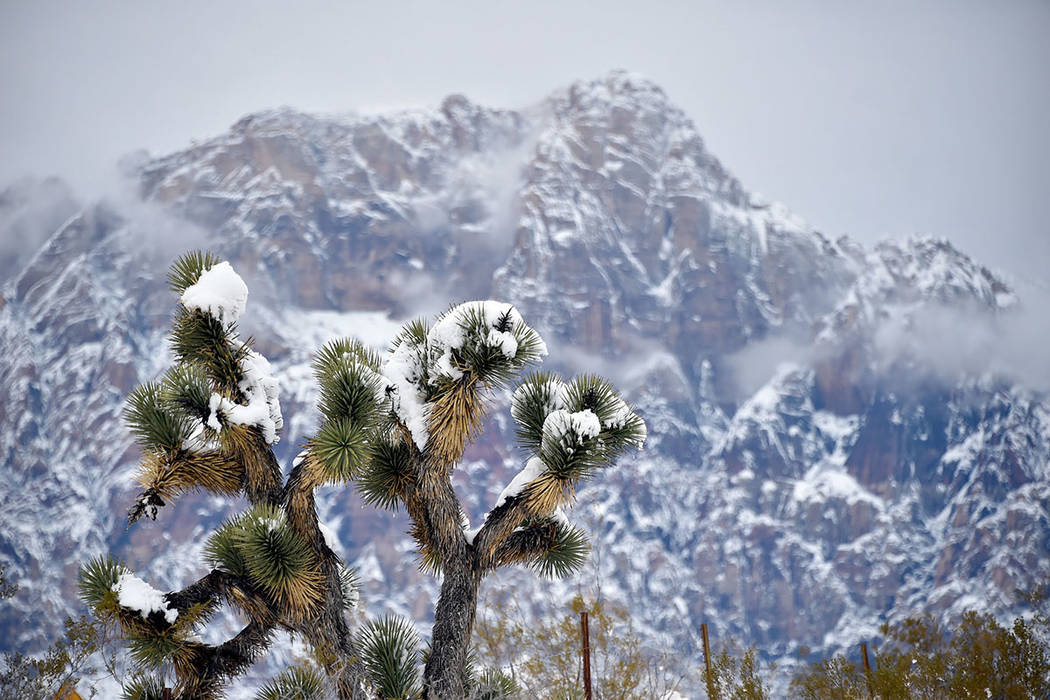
{"x":839,"y":435}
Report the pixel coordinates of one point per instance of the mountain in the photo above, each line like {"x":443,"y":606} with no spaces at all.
{"x":816,"y":463}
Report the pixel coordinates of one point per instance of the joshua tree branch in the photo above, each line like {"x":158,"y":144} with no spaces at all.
{"x":432,"y":504}
{"x":524,"y":546}
{"x":221,"y":585}
{"x":213,"y":664}
{"x":499,"y":525}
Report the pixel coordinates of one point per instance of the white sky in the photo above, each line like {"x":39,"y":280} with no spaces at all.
{"x":869,"y":118}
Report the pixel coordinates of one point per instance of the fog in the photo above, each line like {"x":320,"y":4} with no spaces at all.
{"x":876,"y":120}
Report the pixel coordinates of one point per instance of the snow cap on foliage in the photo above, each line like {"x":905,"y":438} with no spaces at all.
{"x":560,"y":424}
{"x":219,"y":291}
{"x":260,"y":389}
{"x":404,"y":372}
{"x":620,"y":415}
{"x":134,"y":593}
{"x":448,"y":333}
{"x":504,"y":340}
{"x":380,"y":382}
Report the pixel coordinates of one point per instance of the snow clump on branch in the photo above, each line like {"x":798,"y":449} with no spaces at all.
{"x":134,"y":593}
{"x":561,"y":423}
{"x":219,"y":291}
{"x":450,"y":333}
{"x":411,"y":366}
{"x":403,"y":372}
{"x":260,"y":390}
{"x":533,"y":468}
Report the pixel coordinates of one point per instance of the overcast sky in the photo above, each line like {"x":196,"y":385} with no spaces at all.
{"x":874,"y":119}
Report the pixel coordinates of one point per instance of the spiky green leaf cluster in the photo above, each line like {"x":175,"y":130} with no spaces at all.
{"x":143,"y":687}
{"x":201,"y":339}
{"x":571,"y":457}
{"x":153,"y":649}
{"x":96,"y":581}
{"x":348,"y":375}
{"x":566,"y":555}
{"x":387,"y":473}
{"x":494,"y":684}
{"x":351,"y":405}
{"x":294,"y":684}
{"x":223,"y":549}
{"x":390,"y":652}
{"x":188,"y":268}
{"x":622,"y":428}
{"x":150,"y":643}
{"x":484,"y":359}
{"x":185,"y":389}
{"x":260,"y":545}
{"x":343,"y":447}
{"x":155,"y":426}
{"x":534,"y":399}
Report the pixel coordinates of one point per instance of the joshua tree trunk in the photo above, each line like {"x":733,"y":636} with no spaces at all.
{"x":453,"y":626}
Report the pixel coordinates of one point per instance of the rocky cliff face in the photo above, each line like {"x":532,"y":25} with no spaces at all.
{"x":811,"y":471}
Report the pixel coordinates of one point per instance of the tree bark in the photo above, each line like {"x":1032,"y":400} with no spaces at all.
{"x":453,"y":625}
{"x":327,"y":631}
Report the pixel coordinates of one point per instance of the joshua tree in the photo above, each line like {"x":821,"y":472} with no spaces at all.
{"x":210,"y":423}
{"x":436,"y":377}
{"x":395,"y":424}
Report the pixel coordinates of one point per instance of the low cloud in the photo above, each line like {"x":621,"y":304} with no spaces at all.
{"x":945,"y":343}
{"x":627,"y":371}
{"x":31,"y":211}
{"x":952,"y":343}
{"x":421,"y":294}
{"x":755,"y":364}
{"x":492,"y":180}
{"x":159,"y":235}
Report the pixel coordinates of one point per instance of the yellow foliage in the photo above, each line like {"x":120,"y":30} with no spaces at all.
{"x":544,"y":657}
{"x":978,"y":659}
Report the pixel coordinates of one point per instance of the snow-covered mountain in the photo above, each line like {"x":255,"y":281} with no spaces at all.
{"x":813,"y":469}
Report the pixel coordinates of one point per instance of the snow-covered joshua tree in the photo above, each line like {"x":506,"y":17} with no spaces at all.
{"x":210,"y":423}
{"x":397,"y":426}
{"x":436,"y":377}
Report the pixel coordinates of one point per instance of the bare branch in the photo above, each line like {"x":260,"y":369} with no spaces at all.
{"x":219,"y":586}
{"x":212,"y":665}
